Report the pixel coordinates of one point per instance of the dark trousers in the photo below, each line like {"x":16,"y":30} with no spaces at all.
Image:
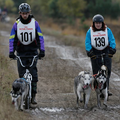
{"x":96,"y":66}
{"x":32,"y":69}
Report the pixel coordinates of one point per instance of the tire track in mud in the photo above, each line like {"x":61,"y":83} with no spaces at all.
{"x":56,"y":99}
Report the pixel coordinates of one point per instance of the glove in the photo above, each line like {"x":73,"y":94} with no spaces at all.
{"x":111,"y":52}
{"x":93,"y":57}
{"x":110,"y":55}
{"x":12,"y":55}
{"x":91,"y":54}
{"x":41,"y":54}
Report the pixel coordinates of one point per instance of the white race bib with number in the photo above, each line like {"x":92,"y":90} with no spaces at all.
{"x":99,"y":39}
{"x":26,"y":32}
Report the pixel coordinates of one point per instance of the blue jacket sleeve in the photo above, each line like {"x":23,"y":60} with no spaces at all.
{"x":111,"y":39}
{"x":88,"y":46}
{"x":12,"y":38}
{"x":41,"y":39}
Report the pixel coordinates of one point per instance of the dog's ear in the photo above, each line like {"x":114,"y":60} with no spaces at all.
{"x":82,"y":76}
{"x":86,"y":72}
{"x":79,"y":77}
{"x":104,"y":72}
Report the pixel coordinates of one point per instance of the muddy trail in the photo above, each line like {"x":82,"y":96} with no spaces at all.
{"x":55,"y":97}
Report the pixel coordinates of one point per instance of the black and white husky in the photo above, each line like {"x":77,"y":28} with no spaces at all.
{"x":100,"y":85}
{"x":20,"y":90}
{"x":82,"y":84}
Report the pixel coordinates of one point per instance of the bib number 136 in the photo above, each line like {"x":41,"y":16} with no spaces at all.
{"x":26,"y":36}
{"x":100,"y":41}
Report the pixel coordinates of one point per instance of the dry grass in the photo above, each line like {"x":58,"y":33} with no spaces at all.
{"x":62,"y":27}
{"x":7,"y":76}
{"x":7,"y":110}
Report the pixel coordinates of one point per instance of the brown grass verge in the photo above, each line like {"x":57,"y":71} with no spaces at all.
{"x":7,"y":76}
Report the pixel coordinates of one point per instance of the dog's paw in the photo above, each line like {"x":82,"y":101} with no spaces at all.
{"x":81,"y":101}
{"x":99,"y":106}
{"x":21,"y":108}
{"x":85,"y":107}
{"x":105,"y":105}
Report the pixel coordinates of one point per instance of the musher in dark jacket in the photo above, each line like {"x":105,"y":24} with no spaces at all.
{"x":27,"y":40}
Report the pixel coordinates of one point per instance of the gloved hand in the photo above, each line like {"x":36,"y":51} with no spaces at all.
{"x":93,"y":57}
{"x":110,"y":55}
{"x":111,"y":52}
{"x":12,"y":55}
{"x":91,"y":54}
{"x":41,"y":54}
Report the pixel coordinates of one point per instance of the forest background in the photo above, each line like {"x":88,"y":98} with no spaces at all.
{"x":68,"y":12}
{"x":75,"y":13}
{"x":67,"y":9}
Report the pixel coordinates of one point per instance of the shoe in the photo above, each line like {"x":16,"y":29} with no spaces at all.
{"x":109,"y":93}
{"x":33,"y":101}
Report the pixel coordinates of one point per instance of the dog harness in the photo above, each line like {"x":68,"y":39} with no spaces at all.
{"x":16,"y":95}
{"x":24,"y":80}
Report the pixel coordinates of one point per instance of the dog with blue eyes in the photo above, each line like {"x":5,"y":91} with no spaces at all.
{"x":19,"y":92}
{"x":82,"y":85}
{"x":100,"y":85}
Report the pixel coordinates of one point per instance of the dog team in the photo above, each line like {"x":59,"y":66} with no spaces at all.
{"x":83,"y":86}
{"x":100,"y":46}
{"x":26,"y":39}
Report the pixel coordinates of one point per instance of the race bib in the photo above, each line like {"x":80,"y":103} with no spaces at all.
{"x":99,"y":39}
{"x":26,"y":32}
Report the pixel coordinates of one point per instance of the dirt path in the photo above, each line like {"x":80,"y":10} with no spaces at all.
{"x":56,"y":98}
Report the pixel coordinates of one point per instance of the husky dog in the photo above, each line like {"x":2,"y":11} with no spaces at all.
{"x":20,"y":90}
{"x":100,"y":85}
{"x":82,"y":84}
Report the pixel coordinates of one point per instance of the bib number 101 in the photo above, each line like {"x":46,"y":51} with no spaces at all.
{"x":100,"y":41}
{"x":26,"y":36}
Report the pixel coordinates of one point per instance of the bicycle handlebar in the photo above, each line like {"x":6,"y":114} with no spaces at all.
{"x":19,"y":58}
{"x":102,"y":55}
